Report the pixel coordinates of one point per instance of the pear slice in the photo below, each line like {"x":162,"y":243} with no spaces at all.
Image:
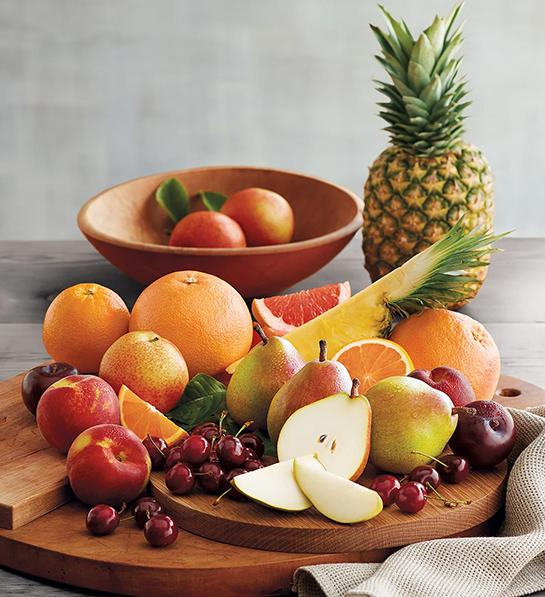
{"x":335,"y":497}
{"x":337,"y":429}
{"x":275,"y":485}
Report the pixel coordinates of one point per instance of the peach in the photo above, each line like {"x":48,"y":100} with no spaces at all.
{"x":448,"y":380}
{"x":108,"y":464}
{"x":265,"y":217}
{"x":207,"y":229}
{"x":149,"y":365}
{"x":74,"y":404}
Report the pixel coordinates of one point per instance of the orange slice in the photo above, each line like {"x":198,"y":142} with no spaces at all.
{"x":143,"y":418}
{"x":374,"y":359}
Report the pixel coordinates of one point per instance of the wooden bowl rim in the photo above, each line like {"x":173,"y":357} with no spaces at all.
{"x":88,"y":228}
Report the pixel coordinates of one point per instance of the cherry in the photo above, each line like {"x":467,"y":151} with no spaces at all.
{"x":426,"y":474}
{"x":387,"y":487}
{"x":38,"y":379}
{"x":234,"y":493}
{"x":195,"y":449}
{"x":231,"y":452}
{"x":158,"y":451}
{"x":251,"y":455}
{"x":174,"y":457}
{"x":208,"y":430}
{"x":412,"y":497}
{"x":253,"y":442}
{"x":144,"y":509}
{"x":180,"y":479}
{"x":451,"y":468}
{"x":253,"y":465}
{"x":211,"y":477}
{"x":102,"y":520}
{"x":160,"y":531}
{"x":268,"y":460}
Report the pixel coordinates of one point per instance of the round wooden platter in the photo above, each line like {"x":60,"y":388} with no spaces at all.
{"x":57,"y":547}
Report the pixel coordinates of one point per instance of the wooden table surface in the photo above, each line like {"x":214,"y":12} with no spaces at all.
{"x":511,"y":305}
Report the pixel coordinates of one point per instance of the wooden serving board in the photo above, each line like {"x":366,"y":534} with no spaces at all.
{"x":57,"y":547}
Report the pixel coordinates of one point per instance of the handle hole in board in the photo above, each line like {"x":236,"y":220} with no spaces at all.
{"x":509,"y":392}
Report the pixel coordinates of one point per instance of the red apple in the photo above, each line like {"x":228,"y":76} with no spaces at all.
{"x":448,"y":380}
{"x":38,"y":379}
{"x":108,"y":464}
{"x":74,"y":404}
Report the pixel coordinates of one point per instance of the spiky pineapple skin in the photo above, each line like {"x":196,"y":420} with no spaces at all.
{"x":412,"y":201}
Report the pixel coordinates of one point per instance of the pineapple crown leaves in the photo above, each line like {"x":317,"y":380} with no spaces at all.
{"x":436,"y":277}
{"x":424,"y":107}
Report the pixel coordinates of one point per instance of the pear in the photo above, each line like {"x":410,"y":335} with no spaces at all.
{"x":274,"y":486}
{"x":408,"y":416}
{"x":335,"y":497}
{"x":337,"y":429}
{"x":316,"y":380}
{"x":260,"y":374}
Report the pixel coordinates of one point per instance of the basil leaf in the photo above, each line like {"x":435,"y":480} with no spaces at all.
{"x":212,"y":201}
{"x":173,"y":198}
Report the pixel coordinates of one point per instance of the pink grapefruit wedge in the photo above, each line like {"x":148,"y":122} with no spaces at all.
{"x":278,"y":315}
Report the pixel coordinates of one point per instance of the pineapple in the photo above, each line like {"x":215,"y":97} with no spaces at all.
{"x":428,"y":179}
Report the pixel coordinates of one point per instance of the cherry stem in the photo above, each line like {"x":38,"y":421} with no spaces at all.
{"x":354,"y":392}
{"x":323,"y":351}
{"x":156,"y":446}
{"x":243,"y":427}
{"x":217,"y":500}
{"x":123,"y":508}
{"x":464,"y":410}
{"x":127,"y":518}
{"x":448,"y":503}
{"x":224,"y":413}
{"x":431,"y":457}
{"x":261,"y":333}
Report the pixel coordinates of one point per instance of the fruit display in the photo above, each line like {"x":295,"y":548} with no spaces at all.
{"x":107,"y":464}
{"x":438,"y":337}
{"x":205,"y":317}
{"x":409,"y":418}
{"x":278,"y":315}
{"x":316,"y":380}
{"x":429,"y":178}
{"x":72,"y":405}
{"x":81,"y":323}
{"x":149,"y":365}
{"x":38,"y":379}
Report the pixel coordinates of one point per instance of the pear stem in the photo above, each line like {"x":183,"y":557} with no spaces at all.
{"x":261,"y":333}
{"x":431,"y":457}
{"x":354,"y":392}
{"x":467,"y":410}
{"x":323,"y":350}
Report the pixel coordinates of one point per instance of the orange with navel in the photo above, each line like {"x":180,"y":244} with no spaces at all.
{"x":204,"y":316}
{"x":438,"y":337}
{"x":81,"y":323}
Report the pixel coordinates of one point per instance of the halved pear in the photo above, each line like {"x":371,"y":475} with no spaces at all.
{"x":275,"y":485}
{"x":335,"y":497}
{"x":337,"y":429}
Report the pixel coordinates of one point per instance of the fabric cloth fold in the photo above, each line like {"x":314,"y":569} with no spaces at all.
{"x":511,"y":564}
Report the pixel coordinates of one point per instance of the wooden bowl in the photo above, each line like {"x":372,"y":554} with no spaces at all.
{"x":127,"y":226}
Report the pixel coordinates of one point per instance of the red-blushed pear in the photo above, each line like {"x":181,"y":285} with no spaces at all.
{"x":108,"y":464}
{"x":337,"y":429}
{"x":408,"y":416}
{"x":74,"y":404}
{"x":274,"y":486}
{"x":335,"y":497}
{"x":449,"y":380}
{"x":316,"y":380}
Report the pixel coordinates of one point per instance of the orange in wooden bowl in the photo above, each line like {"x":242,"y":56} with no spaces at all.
{"x":127,"y":226}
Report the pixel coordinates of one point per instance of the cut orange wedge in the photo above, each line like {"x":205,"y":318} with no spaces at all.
{"x":143,"y":418}
{"x":374,"y":359}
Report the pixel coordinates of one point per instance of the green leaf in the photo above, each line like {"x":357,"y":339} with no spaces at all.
{"x":172,"y":197}
{"x":212,"y":201}
{"x":202,"y":386}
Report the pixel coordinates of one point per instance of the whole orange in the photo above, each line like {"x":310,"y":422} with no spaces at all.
{"x":439,"y":337}
{"x":204,"y":316}
{"x":207,"y":229}
{"x":152,"y":367}
{"x":81,"y":323}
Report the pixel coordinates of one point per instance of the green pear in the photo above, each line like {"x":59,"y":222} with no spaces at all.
{"x":316,"y":380}
{"x":260,"y":374}
{"x":408,"y":416}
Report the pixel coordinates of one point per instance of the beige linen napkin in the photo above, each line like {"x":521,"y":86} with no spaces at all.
{"x":509,"y":565}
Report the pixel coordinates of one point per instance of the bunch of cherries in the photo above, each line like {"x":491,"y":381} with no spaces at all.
{"x":411,"y":493}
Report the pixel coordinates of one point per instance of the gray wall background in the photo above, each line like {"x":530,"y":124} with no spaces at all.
{"x":97,"y":92}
